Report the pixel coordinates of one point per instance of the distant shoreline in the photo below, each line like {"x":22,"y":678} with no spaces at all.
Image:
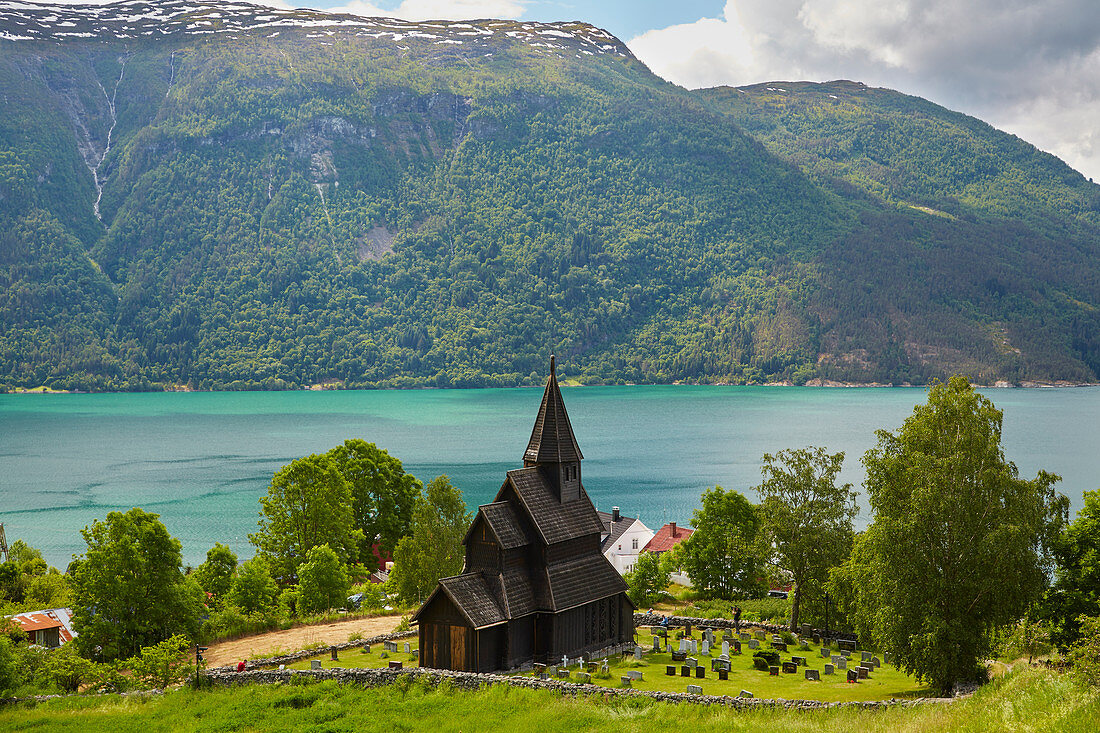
{"x":566,"y":383}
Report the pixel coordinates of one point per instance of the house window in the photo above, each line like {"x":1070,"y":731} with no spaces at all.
{"x":635,"y":541}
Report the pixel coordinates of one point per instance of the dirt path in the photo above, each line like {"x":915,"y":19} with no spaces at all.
{"x":230,"y":652}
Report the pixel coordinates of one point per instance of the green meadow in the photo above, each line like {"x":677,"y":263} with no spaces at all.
{"x":1027,"y":700}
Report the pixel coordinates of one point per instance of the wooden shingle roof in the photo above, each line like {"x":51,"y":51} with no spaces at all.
{"x":506,"y":524}
{"x":519,"y":593}
{"x":552,"y":439}
{"x":474,"y":598}
{"x":584,"y":580}
{"x":555,"y":521}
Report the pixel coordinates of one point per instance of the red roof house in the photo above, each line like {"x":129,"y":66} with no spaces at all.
{"x":667,"y":537}
{"x":45,"y":628}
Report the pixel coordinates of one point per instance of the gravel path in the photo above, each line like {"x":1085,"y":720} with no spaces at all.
{"x":230,"y":652}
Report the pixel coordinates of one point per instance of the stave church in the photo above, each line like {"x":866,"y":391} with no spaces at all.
{"x":535,"y":585}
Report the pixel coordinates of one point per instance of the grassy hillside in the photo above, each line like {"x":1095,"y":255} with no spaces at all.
{"x":1031,"y":700}
{"x":444,"y":204}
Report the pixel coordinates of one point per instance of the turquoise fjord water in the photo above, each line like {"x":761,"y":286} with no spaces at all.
{"x":202,"y":460}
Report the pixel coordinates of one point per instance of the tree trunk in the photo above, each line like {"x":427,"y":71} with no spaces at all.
{"x":795,"y":604}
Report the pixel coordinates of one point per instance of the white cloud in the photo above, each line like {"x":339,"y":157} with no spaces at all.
{"x":1031,"y":67}
{"x":437,"y":9}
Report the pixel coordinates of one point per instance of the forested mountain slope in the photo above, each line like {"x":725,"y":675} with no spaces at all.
{"x":230,"y":196}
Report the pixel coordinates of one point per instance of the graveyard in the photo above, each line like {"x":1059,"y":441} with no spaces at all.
{"x":714,"y":662}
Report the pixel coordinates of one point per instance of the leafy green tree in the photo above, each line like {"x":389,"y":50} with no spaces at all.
{"x":10,"y":666}
{"x":163,"y":664}
{"x":64,"y":668}
{"x":722,"y":556}
{"x":1084,"y":656}
{"x":648,"y":580}
{"x":956,"y":547}
{"x":129,"y":589}
{"x":48,"y":591}
{"x":1076,"y":589}
{"x":309,"y":503}
{"x":433,"y":549}
{"x":806,"y":517}
{"x":215,"y":576}
{"x":12,"y":585}
{"x":383,"y":495}
{"x":253,"y":589}
{"x":323,"y":581}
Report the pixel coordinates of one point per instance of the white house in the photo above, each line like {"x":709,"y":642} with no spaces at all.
{"x":622,"y":539}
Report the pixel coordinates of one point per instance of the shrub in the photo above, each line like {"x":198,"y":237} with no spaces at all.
{"x":764,"y":659}
{"x":163,"y":664}
{"x":1085,"y":655}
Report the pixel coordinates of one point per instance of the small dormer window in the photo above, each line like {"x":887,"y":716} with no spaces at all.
{"x":635,"y":542}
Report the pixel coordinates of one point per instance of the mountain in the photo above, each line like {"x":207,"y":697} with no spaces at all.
{"x":229,"y":196}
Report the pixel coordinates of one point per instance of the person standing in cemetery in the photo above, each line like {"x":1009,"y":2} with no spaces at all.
{"x":737,"y":619}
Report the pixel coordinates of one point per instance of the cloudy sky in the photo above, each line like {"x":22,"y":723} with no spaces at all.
{"x":1030,"y":67}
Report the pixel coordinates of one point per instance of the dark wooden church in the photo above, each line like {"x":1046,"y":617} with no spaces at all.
{"x":535,"y":585}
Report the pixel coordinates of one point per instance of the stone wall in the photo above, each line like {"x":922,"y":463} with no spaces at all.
{"x":474,"y":681}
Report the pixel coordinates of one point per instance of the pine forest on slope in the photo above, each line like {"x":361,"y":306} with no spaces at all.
{"x":229,"y":196}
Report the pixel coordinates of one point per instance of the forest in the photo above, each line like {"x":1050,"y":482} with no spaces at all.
{"x":273,"y":211}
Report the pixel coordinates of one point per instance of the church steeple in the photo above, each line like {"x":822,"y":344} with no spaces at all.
{"x":552,"y":446}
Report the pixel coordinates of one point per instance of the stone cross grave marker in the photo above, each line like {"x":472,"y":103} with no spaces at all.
{"x":605,"y":668}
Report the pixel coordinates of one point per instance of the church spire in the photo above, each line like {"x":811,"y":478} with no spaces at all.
{"x":552,"y":440}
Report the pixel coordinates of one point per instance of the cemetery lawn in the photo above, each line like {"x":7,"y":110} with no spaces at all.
{"x":883,"y":684}
{"x":1029,"y":699}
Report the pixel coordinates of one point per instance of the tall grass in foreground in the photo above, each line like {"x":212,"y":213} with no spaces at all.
{"x":1029,"y":700}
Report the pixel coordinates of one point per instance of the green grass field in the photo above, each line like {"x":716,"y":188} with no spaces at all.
{"x":1029,"y":700}
{"x":884,"y":684}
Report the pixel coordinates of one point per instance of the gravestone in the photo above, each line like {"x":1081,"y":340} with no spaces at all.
{"x":701,"y":672}
{"x":709,"y":636}
{"x":679,"y":656}
{"x":875,"y":662}
{"x":724,"y":674}
{"x":836,"y":659}
{"x":692,"y":662}
{"x":846,"y":645}
{"x":563,"y":673}
{"x":694,"y":646}
{"x":605,"y":668}
{"x":828,"y":668}
{"x":634,"y":674}
{"x":789,"y":667}
{"x":744,"y":693}
{"x":842,"y":663}
{"x":736,"y":647}
{"x":865,"y":656}
{"x":656,"y":643}
{"x":684,"y":645}
{"x":825,"y":652}
{"x":624,"y":681}
{"x":863,"y":672}
{"x":801,"y":661}
{"x":779,"y":646}
{"x":817,"y":638}
{"x":812,"y":674}
{"x":773,"y":671}
{"x":408,"y":648}
{"x":584,"y":678}
{"x":846,"y":653}
{"x":744,"y":636}
{"x":761,"y":636}
{"x":670,"y":670}
{"x":333,"y":655}
{"x":777,"y":639}
{"x":539,"y":668}
{"x":687,"y":629}
{"x":853,"y":676}
{"x":706,"y":648}
{"x":695,"y":690}
{"x":754,"y":644}
{"x":807,"y":629}
{"x":416,"y":654}
{"x":282,"y":667}
{"x":590,"y":667}
{"x":391,"y":646}
{"x":315,"y":664}
{"x":725,"y":648}
{"x":638,"y":653}
{"x":685,"y":671}
{"x":365,"y":649}
{"x":396,"y":664}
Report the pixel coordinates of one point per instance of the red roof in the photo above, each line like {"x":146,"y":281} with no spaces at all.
{"x":36,"y":621}
{"x":668,"y":537}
